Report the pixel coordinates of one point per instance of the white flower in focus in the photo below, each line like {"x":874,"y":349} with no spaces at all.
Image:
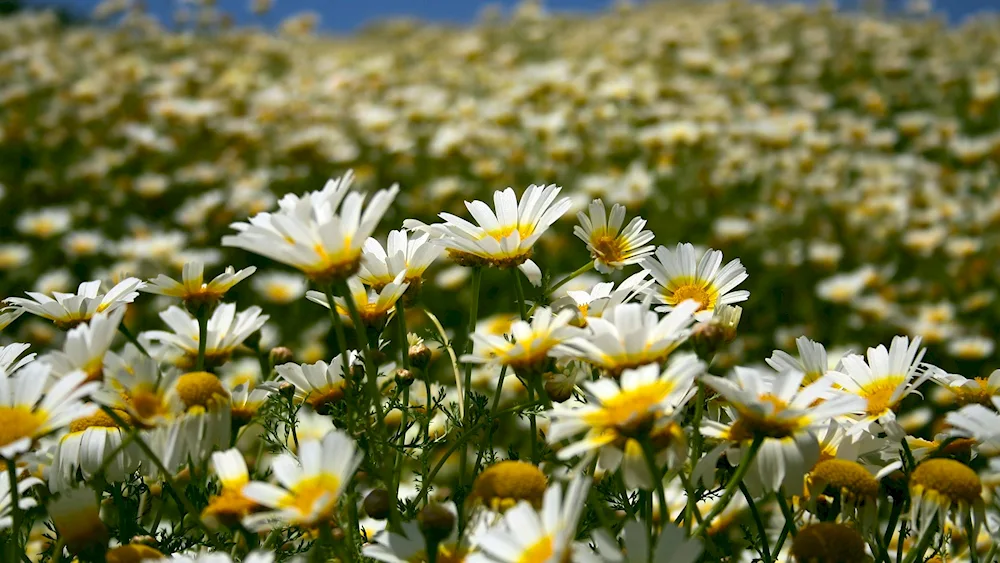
{"x":605,"y":296}
{"x":67,"y":310}
{"x":192,"y":288}
{"x":529,"y":348}
{"x":681,"y":276}
{"x":226,"y":331}
{"x":320,"y":233}
{"x":29,"y":411}
{"x":812,"y":360}
{"x":374,"y":306}
{"x":380,"y":266}
{"x":612,"y":247}
{"x":319,"y":384}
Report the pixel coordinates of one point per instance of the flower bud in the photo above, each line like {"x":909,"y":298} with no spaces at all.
{"x":404,"y":377}
{"x":436,"y":523}
{"x":378,"y":504}
{"x":280,"y":355}
{"x":419,"y":353}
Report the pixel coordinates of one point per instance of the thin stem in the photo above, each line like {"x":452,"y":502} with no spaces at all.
{"x":533,"y":424}
{"x":917,"y":553}
{"x":131,"y":338}
{"x":973,"y":554}
{"x":404,"y":348}
{"x":522,"y":306}
{"x":654,"y":474}
{"x":732,"y":486}
{"x":454,"y":362}
{"x":400,"y":457}
{"x":15,"y":512}
{"x":496,"y":394}
{"x":57,"y":550}
{"x":167,"y":477}
{"x":696,"y":446}
{"x":338,"y":330}
{"x":581,"y":270}
{"x":787,"y":512}
{"x":758,"y":521}
{"x":202,"y":315}
{"x":894,"y":512}
{"x":477,"y":278}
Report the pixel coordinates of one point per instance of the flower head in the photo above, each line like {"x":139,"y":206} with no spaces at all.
{"x":29,"y":410}
{"x":504,"y":484}
{"x":812,"y":360}
{"x":381,"y":266}
{"x":681,"y":277}
{"x":226,"y":331}
{"x":611,"y":247}
{"x":67,"y":310}
{"x":945,"y":487}
{"x":320,"y":384}
{"x":86,"y":345}
{"x":193,"y":290}
{"x":229,"y":506}
{"x":528,"y":351}
{"x":374,"y":306}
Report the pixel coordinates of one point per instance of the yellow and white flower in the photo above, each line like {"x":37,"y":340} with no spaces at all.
{"x":527,"y":535}
{"x":812,"y":360}
{"x":981,"y":390}
{"x":381,"y":266}
{"x":246,"y":402}
{"x":192,"y":288}
{"x":629,"y":336}
{"x":374,"y":306}
{"x":84,"y":449}
{"x":528,"y":349}
{"x":311,"y":485}
{"x":86,"y":345}
{"x":680,"y":276}
{"x":76,"y":515}
{"x":604,"y":296}
{"x":134,"y":382}
{"x":945,"y":488}
{"x":883,"y":382}
{"x":612,"y":247}
{"x":979,"y":423}
{"x":280,"y":287}
{"x":67,"y":310}
{"x":31,"y":409}
{"x":619,"y":413}
{"x":320,"y":233}
{"x":229,"y":506}
{"x":320,"y":384}
{"x":226,"y":331}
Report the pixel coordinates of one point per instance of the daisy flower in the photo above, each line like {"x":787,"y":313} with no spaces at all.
{"x":883,"y":382}
{"x":24,"y":501}
{"x":978,"y":423}
{"x":192,"y":288}
{"x":374,"y":306}
{"x":612,"y":247}
{"x":134,"y":382}
{"x":380,"y":266}
{"x":411,"y":545}
{"x":528,"y":351}
{"x":320,"y":384}
{"x":11,"y":358}
{"x":29,"y":411}
{"x":67,"y":310}
{"x":604,"y":296}
{"x":246,"y":402}
{"x":981,"y":390}
{"x":77,"y":517}
{"x":673,"y":545}
{"x":812,"y":360}
{"x":503,"y":239}
{"x":527,"y":535}
{"x":641,"y":403}
{"x":680,"y":276}
{"x":320,"y":233}
{"x":508,"y":483}
{"x":229,"y":506}
{"x":629,"y":336}
{"x":226,"y":331}
{"x":310,"y":485}
{"x":280,"y":287}
{"x":84,"y":449}
{"x":86,"y":345}
{"x":946,"y":488}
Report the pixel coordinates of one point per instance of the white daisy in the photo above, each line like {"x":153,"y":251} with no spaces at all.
{"x":85,"y":448}
{"x":680,"y":276}
{"x":76,"y":515}
{"x":226,"y":331}
{"x":192,"y":288}
{"x":380,"y":266}
{"x":11,"y":359}
{"x":611,"y":247}
{"x":229,"y":506}
{"x":604,"y":296}
{"x":85,"y":346}
{"x":981,"y":390}
{"x":979,"y":423}
{"x":320,"y":233}
{"x":67,"y":310}
{"x":310,"y":485}
{"x":29,"y":411}
{"x":629,"y":336}
{"x":812,"y":360}
{"x":528,"y":350}
{"x":374,"y":306}
{"x":320,"y":384}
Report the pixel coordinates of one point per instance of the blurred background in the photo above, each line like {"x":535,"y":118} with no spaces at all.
{"x":847,"y":155}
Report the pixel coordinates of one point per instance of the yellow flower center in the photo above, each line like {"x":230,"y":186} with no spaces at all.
{"x":843,"y":475}
{"x":278,"y":292}
{"x":948,"y":478}
{"x":828,"y":542}
{"x":538,"y":552}
{"x":305,"y":494}
{"x":879,"y":395}
{"x":147,"y":403}
{"x":628,"y":407}
{"x":228,"y":508}
{"x":507,"y":230}
{"x":504,"y":484}
{"x":446,"y":554}
{"x":200,"y":389}
{"x":19,"y":422}
{"x":978,"y":392}
{"x":753,"y":423}
{"x":99,"y":419}
{"x":700,"y":292}
{"x":322,"y":397}
{"x":607,"y":248}
{"x":132,"y":553}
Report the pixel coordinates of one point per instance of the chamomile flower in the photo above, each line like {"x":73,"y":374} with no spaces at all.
{"x":883,"y":381}
{"x":246,"y":402}
{"x":229,"y":506}
{"x":979,"y":390}
{"x":226,"y":331}
{"x":673,"y":545}
{"x":612,"y":247}
{"x":629,"y":336}
{"x":381,"y":266}
{"x":134,"y":382}
{"x":850,"y":483}
{"x":85,"y":448}
{"x":979,"y":423}
{"x":320,"y":384}
{"x":812,"y":360}
{"x":280,"y":287}
{"x":77,"y":517}
{"x":374,"y":306}
{"x":320,"y":233}
{"x":528,"y":351}
{"x":604,"y":296}
{"x":680,"y":276}
{"x":67,"y":310}
{"x":946,"y":488}
{"x":193,"y":290}
{"x":311,"y":485}
{"x":528,"y":535}
{"x":620,"y":413}
{"x":86,"y":345}
{"x":11,"y":358}
{"x":24,"y":501}
{"x":503,"y":239}
{"x":505,"y":484}
{"x":29,"y":411}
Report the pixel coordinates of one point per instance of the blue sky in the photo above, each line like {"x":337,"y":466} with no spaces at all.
{"x":346,"y":15}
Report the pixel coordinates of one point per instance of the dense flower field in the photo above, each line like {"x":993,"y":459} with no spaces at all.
{"x":680,"y":282}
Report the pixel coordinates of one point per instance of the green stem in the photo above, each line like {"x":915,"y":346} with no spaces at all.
{"x":338,"y":330}
{"x":496,"y":395}
{"x":533,"y":424}
{"x":57,"y":550}
{"x":172,"y":487}
{"x":522,"y":306}
{"x":787,"y":512}
{"x":131,"y":338}
{"x":477,"y":277}
{"x":15,"y":513}
{"x":400,"y":458}
{"x":404,"y":348}
{"x":581,"y":270}
{"x":917,"y":553}
{"x":732,"y":486}
{"x":202,"y":315}
{"x":894,"y":512}
{"x":696,"y":446}
{"x":654,"y":474}
{"x":758,"y":521}
{"x":973,"y":554}
{"x":454,"y":361}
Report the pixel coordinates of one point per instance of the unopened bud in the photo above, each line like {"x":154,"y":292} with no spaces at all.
{"x":378,"y":504}
{"x":404,"y":377}
{"x":419,"y":353}
{"x":558,"y":386}
{"x":436,"y":523}
{"x":280,"y":355}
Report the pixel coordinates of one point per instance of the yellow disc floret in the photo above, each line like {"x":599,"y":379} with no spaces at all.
{"x":503,"y":485}
{"x":133,"y":553}
{"x":99,"y":419}
{"x":843,"y":476}
{"x":828,"y":542}
{"x":947,"y":478}
{"x":200,"y":389}
{"x":19,"y":422}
